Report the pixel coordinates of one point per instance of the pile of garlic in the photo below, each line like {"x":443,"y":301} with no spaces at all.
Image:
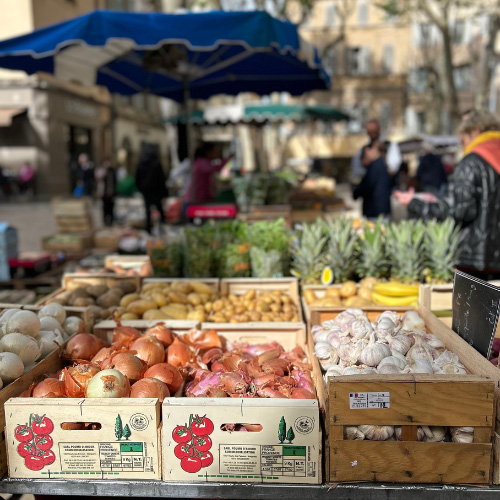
{"x":352,"y":345}
{"x":26,"y":338}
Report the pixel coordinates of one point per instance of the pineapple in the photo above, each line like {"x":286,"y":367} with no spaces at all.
{"x":372,"y":258}
{"x":442,"y":248}
{"x":309,"y":252}
{"x":405,"y":247}
{"x":341,"y":248}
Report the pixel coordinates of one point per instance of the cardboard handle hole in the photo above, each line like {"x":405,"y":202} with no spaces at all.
{"x":241,"y":427}
{"x":81,"y":426}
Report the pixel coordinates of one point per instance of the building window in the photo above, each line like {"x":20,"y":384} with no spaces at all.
{"x":358,"y":61}
{"x":362,"y":12}
{"x":357,"y":120}
{"x":421,"y":121}
{"x":423,"y":35}
{"x":330,"y":13}
{"x":386,"y":116}
{"x":463,"y":78}
{"x":139,"y":101}
{"x":330,"y":60}
{"x":119,"y":4}
{"x":418,"y":78}
{"x":459,"y":33}
{"x":388,"y":59}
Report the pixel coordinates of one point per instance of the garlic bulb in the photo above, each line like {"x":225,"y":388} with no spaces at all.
{"x":419,"y":366}
{"x":334,"y":339}
{"x":358,"y":370}
{"x":353,"y":434}
{"x":361,"y":328}
{"x":392,"y":360}
{"x":72,"y":325}
{"x":448,"y":363}
{"x":462,"y":434}
{"x":412,"y":321}
{"x":389,"y":369}
{"x":434,"y":434}
{"x":315,"y":329}
{"x":344,"y":321}
{"x":399,"y":343}
{"x":323,"y":350}
{"x":421,"y":350}
{"x":392,"y":315}
{"x":24,"y":346}
{"x":331,"y":361}
{"x":398,"y":432}
{"x":333,"y":371}
{"x":377,"y":432}
{"x":385,"y":327}
{"x":320,"y":336}
{"x":434,"y":341}
{"x":375,"y":352}
{"x":350,"y":353}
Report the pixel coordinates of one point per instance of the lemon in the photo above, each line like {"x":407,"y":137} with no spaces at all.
{"x":327,"y":276}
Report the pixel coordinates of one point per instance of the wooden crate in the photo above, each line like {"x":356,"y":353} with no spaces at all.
{"x":268,"y":213}
{"x":239,"y":286}
{"x":81,"y":242}
{"x":74,"y":224}
{"x":211,"y":282}
{"x":50,"y":364}
{"x":134,"y":262}
{"x":268,"y":412}
{"x":71,"y":207}
{"x":432,"y":400}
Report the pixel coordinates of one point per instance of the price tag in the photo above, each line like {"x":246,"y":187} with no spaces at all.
{"x":476,"y":307}
{"x":369,"y":400}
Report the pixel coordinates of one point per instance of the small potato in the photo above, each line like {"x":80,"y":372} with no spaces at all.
{"x":287,"y":316}
{"x":197,"y":316}
{"x":240,"y":309}
{"x":177,"y":297}
{"x":83,"y":302}
{"x":182,"y":287}
{"x":250,"y":295}
{"x":208,"y":306}
{"x":287,"y":308}
{"x":127,"y":299}
{"x":295,"y":318}
{"x":117,"y":291}
{"x":140,"y":306}
{"x":159,"y":298}
{"x":286,"y":299}
{"x":218,"y":305}
{"x":267,"y":317}
{"x":154,"y":314}
{"x":333,"y":291}
{"x":233,"y":298}
{"x":96,"y":290}
{"x":275,"y":308}
{"x":263,"y":307}
{"x":252,"y":306}
{"x":108,"y":300}
{"x":129,"y":317}
{"x":218,"y":318}
{"x":194,"y":299}
{"x":255,"y":316}
{"x":266,"y":298}
{"x":126,"y":286}
{"x":244,"y":318}
{"x":204,"y":297}
{"x":201,"y":308}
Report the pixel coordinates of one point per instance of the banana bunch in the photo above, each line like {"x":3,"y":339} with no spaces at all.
{"x":393,"y":293}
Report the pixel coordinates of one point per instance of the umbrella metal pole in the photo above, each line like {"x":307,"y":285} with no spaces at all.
{"x":189,"y":132}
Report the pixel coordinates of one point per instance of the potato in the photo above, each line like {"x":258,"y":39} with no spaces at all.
{"x":95,"y":312}
{"x":218,"y":305}
{"x":140,"y":306}
{"x":250,"y":295}
{"x":275,"y":308}
{"x":154,"y":314}
{"x":194,"y":299}
{"x":200,"y":287}
{"x":218,"y":318}
{"x":106,"y":313}
{"x":267,"y":317}
{"x":266,"y":299}
{"x":286,"y":299}
{"x":83,"y":302}
{"x":295,"y":318}
{"x":209,"y":306}
{"x":129,"y":316}
{"x":175,"y":312}
{"x":204,"y":297}
{"x":178,"y":297}
{"x":365,"y":293}
{"x":244,"y":318}
{"x":127,"y":299}
{"x":201,"y":308}
{"x":197,"y":316}
{"x":287,"y":316}
{"x":96,"y":290}
{"x":348,"y":289}
{"x":368,"y":282}
{"x":333,"y":291}
{"x":232,"y":298}
{"x":255,"y":316}
{"x":108,"y":300}
{"x":117,"y":291}
{"x":240,"y":309}
{"x":262,"y":307}
{"x":126,"y":286}
{"x":149,"y":287}
{"x":159,"y":298}
{"x":182,"y":287}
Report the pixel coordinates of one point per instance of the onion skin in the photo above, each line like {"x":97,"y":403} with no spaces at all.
{"x":149,"y":350}
{"x":125,"y":336}
{"x":108,"y":384}
{"x":202,"y":339}
{"x":128,"y":364}
{"x":167,"y":374}
{"x":163,"y":334}
{"x":300,"y":393}
{"x":233,"y":383}
{"x":76,"y":378}
{"x":212,"y":355}
{"x":49,"y":388}
{"x":83,"y":346}
{"x":104,"y":353}
{"x":179,"y":354}
{"x":269,"y":392}
{"x":150,"y":388}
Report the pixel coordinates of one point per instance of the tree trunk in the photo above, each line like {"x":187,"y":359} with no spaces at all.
{"x":451,"y":90}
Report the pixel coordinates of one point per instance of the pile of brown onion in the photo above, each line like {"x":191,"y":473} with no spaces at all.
{"x":159,"y":364}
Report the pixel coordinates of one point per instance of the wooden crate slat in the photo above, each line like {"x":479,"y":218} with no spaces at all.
{"x":415,"y":400}
{"x":3,"y":455}
{"x":410,"y":462}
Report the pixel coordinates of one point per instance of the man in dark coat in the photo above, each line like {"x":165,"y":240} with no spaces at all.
{"x":473,"y":197}
{"x":375,"y":187}
{"x":431,"y":175}
{"x":151,"y":183}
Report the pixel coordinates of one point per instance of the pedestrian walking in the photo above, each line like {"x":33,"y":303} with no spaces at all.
{"x":106,"y":178}
{"x":85,"y":175}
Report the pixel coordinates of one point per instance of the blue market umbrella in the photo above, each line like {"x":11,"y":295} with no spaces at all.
{"x":172,"y":55}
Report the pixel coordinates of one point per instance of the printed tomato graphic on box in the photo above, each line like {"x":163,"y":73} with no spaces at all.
{"x":35,"y":443}
{"x":194,"y":443}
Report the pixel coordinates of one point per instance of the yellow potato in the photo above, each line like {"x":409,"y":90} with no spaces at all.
{"x":255,"y":316}
{"x":174,"y":312}
{"x":159,"y":298}
{"x":127,"y":299}
{"x":262,"y":307}
{"x":365,"y":293}
{"x":200,"y":287}
{"x":197,"y":316}
{"x":129,"y":316}
{"x":182,"y":287}
{"x":209,"y":306}
{"x":205,"y":297}
{"x":218,"y":305}
{"x":275,"y":308}
{"x":140,"y":306}
{"x":218,"y":318}
{"x":178,"y":297}
{"x":151,"y":286}
{"x":333,"y":292}
{"x":194,"y":299}
{"x":286,"y":299}
{"x":348,"y":289}
{"x":155,"y":314}
{"x":240,"y":309}
{"x":250,"y":295}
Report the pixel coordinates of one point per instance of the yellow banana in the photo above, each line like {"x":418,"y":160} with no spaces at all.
{"x":386,"y":300}
{"x":395,"y":289}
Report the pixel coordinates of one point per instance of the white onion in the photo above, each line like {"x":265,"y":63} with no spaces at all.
{"x":25,"y":322}
{"x":50,"y":324}
{"x":108,"y":384}
{"x":24,"y":346}
{"x":55,"y":310}
{"x":72,"y":325}
{"x":11,"y":367}
{"x":6,"y":315}
{"x":49,"y":341}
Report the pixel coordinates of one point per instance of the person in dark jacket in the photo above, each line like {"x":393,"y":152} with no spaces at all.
{"x":85,"y":174}
{"x":151,"y":183}
{"x":375,"y":187}
{"x":105,"y":177}
{"x":431,"y":175}
{"x":472,"y":198}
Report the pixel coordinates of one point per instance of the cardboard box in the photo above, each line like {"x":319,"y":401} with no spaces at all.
{"x":251,"y":457}
{"x":123,"y":444}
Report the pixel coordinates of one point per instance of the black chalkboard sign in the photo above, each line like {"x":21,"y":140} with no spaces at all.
{"x":476,"y":307}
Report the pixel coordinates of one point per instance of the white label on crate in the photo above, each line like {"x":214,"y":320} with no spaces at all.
{"x":369,"y":400}
{"x":272,"y":462}
{"x":109,"y":457}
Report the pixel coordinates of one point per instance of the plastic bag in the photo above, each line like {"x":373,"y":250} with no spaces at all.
{"x":199,"y":252}
{"x":166,"y":258}
{"x":266,"y":264}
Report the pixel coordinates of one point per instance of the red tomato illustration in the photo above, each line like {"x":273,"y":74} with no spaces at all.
{"x":202,"y":426}
{"x":181,"y":434}
{"x":202,"y":443}
{"x":191,"y":464}
{"x":48,"y":457}
{"x":42,"y":425}
{"x":23,"y":433}
{"x":44,"y":443}
{"x":183,"y":450}
{"x":24,"y":449}
{"x":206,"y":459}
{"x":33,"y":462}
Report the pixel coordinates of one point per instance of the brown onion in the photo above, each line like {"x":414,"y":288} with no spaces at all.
{"x":300,"y":393}
{"x":168,"y":374}
{"x":124,"y":336}
{"x":126,"y":363}
{"x":202,"y":339}
{"x":49,"y":388}
{"x":150,"y":388}
{"x":212,"y":355}
{"x":76,"y":378}
{"x":179,"y":354}
{"x":161,"y":333}
{"x":149,"y":350}
{"x":103,"y":354}
{"x":83,"y":346}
